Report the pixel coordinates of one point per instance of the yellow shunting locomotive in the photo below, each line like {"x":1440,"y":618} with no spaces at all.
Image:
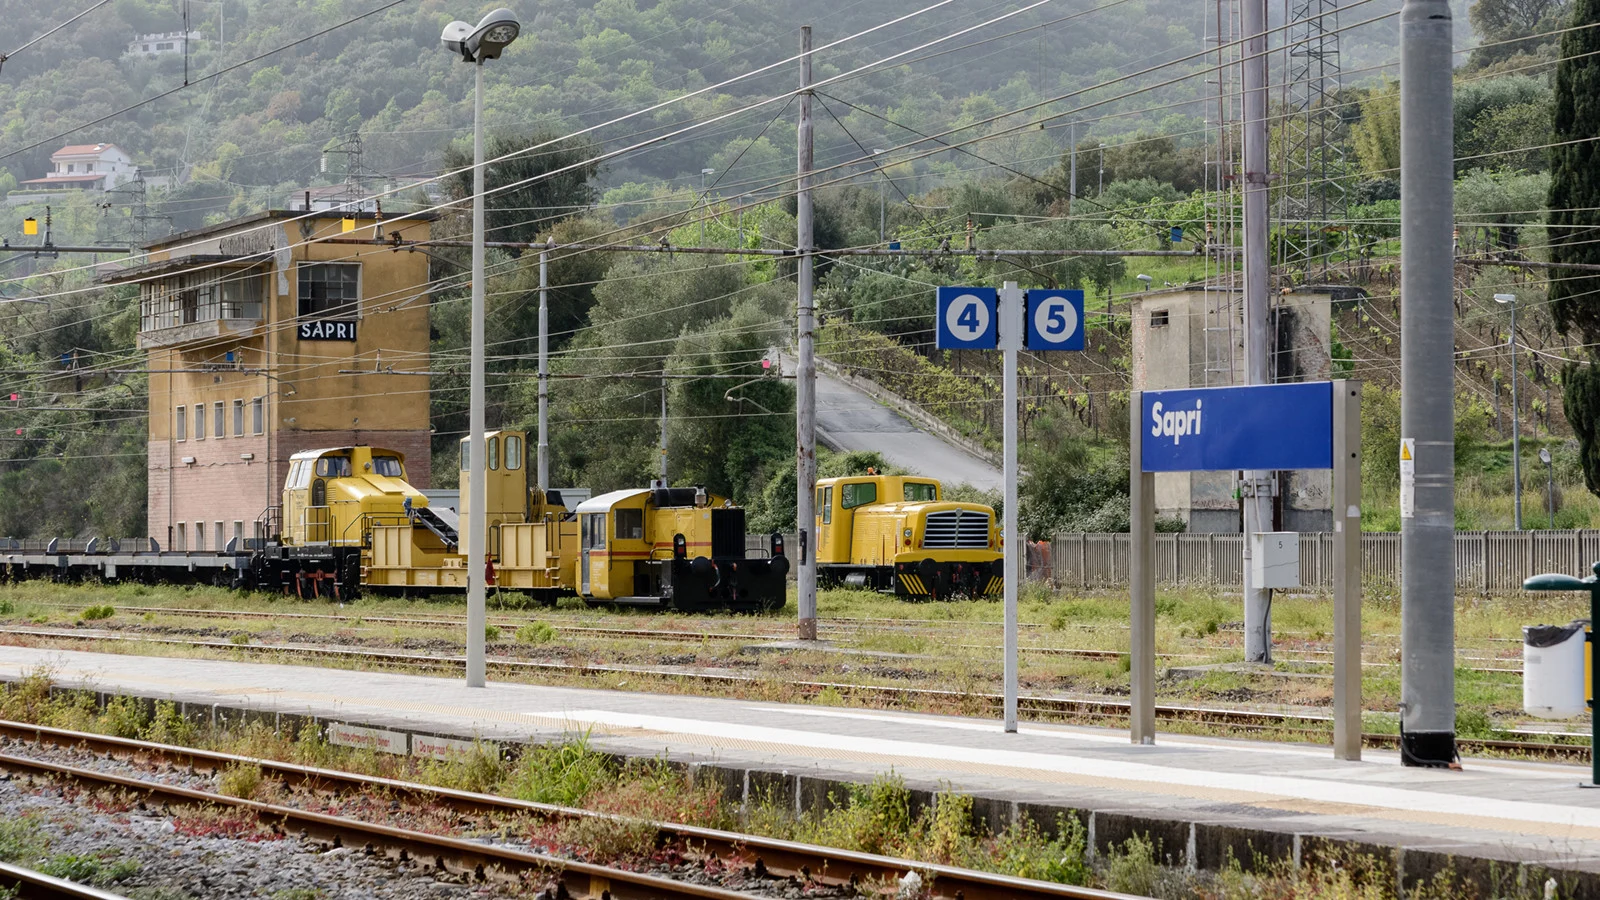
{"x":351,"y":521}
{"x":896,"y":533}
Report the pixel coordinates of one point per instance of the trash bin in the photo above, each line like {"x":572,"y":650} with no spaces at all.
{"x":1553,"y":670}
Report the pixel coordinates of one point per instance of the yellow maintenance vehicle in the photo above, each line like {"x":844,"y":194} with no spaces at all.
{"x":896,"y":533}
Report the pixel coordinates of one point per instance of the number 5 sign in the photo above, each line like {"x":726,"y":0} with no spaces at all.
{"x":1055,"y":319}
{"x":967,"y":318}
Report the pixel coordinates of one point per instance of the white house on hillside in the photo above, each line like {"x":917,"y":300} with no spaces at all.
{"x":162,"y":43}
{"x":86,"y":167}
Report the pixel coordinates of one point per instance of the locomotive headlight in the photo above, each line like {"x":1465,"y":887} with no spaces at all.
{"x":908,"y":534}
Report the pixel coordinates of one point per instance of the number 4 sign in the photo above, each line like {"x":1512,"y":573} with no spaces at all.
{"x":967,"y":318}
{"x":1055,"y":319}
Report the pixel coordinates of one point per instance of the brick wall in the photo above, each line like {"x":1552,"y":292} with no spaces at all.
{"x":220,"y":486}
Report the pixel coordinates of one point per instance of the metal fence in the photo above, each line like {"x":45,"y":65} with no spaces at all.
{"x":1486,"y":561}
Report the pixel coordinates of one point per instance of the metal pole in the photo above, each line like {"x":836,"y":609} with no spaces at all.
{"x":663,"y":432}
{"x":477,"y":483}
{"x":1550,"y":493}
{"x":1141,"y":582}
{"x":805,"y":387}
{"x":1427,"y":411}
{"x":1257,"y":491}
{"x":702,"y":210}
{"x":1010,"y":325}
{"x":544,"y":370}
{"x":1516,"y":424}
{"x":1347,"y":570}
{"x":1072,"y":155}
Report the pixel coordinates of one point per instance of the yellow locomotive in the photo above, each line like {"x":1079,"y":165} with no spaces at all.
{"x":350,"y":520}
{"x":896,"y":533}
{"x":675,"y":547}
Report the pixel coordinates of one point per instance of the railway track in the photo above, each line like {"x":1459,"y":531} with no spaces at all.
{"x":1108,"y":711}
{"x":1306,"y":655}
{"x":30,"y":885}
{"x":796,"y":864}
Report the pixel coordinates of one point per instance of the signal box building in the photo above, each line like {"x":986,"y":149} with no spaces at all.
{"x":265,"y":337}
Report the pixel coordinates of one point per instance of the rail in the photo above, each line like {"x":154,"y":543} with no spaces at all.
{"x":26,"y":884}
{"x":1485,"y":561}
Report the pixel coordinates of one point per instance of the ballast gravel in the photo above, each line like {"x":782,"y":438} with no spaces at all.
{"x":177,"y":863}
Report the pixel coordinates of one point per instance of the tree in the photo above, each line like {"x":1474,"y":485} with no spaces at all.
{"x":553,"y":181}
{"x":1574,"y":199}
{"x":1377,"y":135}
{"x":1498,"y":21}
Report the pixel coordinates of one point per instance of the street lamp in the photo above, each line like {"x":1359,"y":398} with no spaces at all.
{"x":1550,"y":483}
{"x":1516,"y":424}
{"x":705,"y":203}
{"x":882,"y":176}
{"x":492,"y":35}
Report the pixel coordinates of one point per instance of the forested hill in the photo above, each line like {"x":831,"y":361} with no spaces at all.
{"x":259,"y":132}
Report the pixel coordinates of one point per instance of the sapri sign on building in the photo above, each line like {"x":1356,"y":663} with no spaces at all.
{"x":327,"y":330}
{"x":1267,"y":426}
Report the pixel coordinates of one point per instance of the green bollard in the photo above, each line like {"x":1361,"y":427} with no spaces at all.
{"x":1555,"y":582}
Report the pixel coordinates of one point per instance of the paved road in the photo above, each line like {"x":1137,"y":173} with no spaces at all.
{"x":856,"y":421}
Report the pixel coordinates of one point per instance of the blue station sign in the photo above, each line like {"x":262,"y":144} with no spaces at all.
{"x":1268,"y":426}
{"x":966,"y":318}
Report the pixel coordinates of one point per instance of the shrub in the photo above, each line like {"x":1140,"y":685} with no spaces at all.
{"x":491,"y":632}
{"x":94,"y":613}
{"x":573,"y":602}
{"x":564,"y":774}
{"x":536,"y":633}
{"x":240,"y":780}
{"x":1133,"y":869}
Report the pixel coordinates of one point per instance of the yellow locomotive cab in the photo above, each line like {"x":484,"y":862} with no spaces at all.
{"x":334,"y":497}
{"x":896,"y":533}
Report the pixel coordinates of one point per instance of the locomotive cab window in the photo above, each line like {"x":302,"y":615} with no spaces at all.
{"x":854,"y":495}
{"x":630,"y":524}
{"x":493,"y":445}
{"x":594,"y":531}
{"x":514,"y":452}
{"x":921,"y":493}
{"x":827,"y":505}
{"x":388,"y":466}
{"x":333,"y":467}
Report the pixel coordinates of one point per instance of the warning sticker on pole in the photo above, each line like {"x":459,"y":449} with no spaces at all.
{"x":1408,"y":478}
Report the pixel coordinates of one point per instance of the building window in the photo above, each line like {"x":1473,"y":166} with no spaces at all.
{"x":258,"y":414}
{"x":1159,"y":318}
{"x":329,"y":288}
{"x":181,"y":543}
{"x":200,"y":422}
{"x":219,"y":419}
{"x":221,"y":541}
{"x":180,"y":423}
{"x":238,"y":534}
{"x":238,"y":418}
{"x":199,"y":536}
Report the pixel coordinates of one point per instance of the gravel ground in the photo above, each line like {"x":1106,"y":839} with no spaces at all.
{"x":192,"y":855}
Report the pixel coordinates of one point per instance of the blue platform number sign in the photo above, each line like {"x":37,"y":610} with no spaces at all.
{"x":1055,"y":320}
{"x":966,"y":318}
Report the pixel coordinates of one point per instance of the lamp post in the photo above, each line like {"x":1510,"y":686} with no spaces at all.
{"x":705,"y":203}
{"x":882,"y":177}
{"x":1549,"y":485}
{"x":475,"y":44}
{"x":1516,"y":425}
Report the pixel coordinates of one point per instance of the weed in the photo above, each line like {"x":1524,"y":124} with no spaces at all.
{"x":123,"y":717}
{"x":95,"y":613}
{"x":7,"y":607}
{"x":491,"y":632}
{"x":607,"y":838}
{"x":298,"y":894}
{"x":536,"y":633}
{"x":242,"y":780}
{"x":168,"y":726}
{"x":1133,"y":868}
{"x":566,"y":773}
{"x":481,"y":770}
{"x":1023,"y":850}
{"x":571,"y":603}
{"x":239,"y":639}
{"x":877,"y":819}
{"x":89,"y":869}
{"x":895,"y":642}
{"x":949,"y":828}
{"x":22,"y":840}
{"x":830,"y":696}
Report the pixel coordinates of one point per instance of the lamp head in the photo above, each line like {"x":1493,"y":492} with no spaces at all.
{"x":1544,"y":455}
{"x":486,"y":40}
{"x":1505,"y":298}
{"x":1146,"y":279}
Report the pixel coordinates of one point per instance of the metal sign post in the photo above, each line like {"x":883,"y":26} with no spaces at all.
{"x":1315,"y":425}
{"x":971,"y":318}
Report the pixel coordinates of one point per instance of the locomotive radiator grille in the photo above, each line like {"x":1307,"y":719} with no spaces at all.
{"x":956,"y":529}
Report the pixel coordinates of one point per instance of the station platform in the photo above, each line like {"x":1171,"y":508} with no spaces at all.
{"x":1201,"y":798}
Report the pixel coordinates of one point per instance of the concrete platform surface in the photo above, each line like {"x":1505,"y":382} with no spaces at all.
{"x":1202,"y":798}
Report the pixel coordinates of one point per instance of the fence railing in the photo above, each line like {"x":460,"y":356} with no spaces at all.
{"x":1485,"y":561}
